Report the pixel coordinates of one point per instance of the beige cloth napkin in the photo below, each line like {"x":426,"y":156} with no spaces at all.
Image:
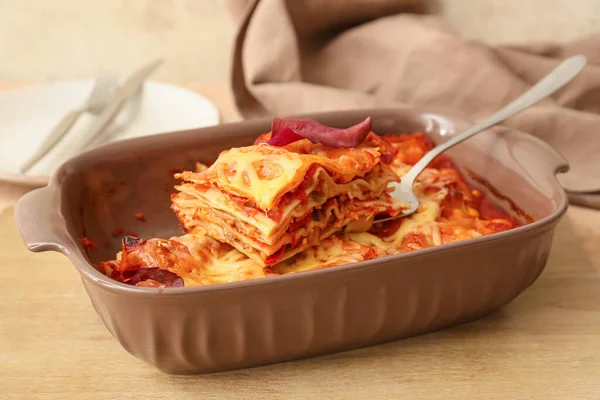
{"x":316,"y":55}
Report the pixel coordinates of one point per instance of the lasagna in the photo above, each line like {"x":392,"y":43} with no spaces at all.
{"x":272,"y":202}
{"x":274,"y":209}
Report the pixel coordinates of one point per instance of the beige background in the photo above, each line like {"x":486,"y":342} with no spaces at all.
{"x":59,"y":39}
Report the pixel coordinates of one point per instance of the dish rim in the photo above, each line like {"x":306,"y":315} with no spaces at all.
{"x":87,"y":270}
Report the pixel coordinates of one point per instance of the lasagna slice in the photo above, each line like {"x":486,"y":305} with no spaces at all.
{"x":272,"y":202}
{"x":188,"y":260}
{"x":199,"y":260}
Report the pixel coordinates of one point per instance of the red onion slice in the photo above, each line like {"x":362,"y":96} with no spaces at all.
{"x":283,"y":137}
{"x":167,"y":278}
{"x":288,"y":130}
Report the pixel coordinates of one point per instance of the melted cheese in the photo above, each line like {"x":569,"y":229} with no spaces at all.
{"x":369,"y":240}
{"x":262,"y":191}
{"x":263,"y":173}
{"x":232,"y":267}
{"x":424,"y":219}
{"x":429,"y":212}
{"x":335,"y":250}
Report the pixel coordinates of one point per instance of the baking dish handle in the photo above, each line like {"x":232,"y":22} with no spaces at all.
{"x":545,"y":154}
{"x":40,"y":223}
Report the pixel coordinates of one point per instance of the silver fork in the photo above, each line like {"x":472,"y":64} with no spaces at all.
{"x":556,"y":79}
{"x":131,"y":111}
{"x":102,"y":91}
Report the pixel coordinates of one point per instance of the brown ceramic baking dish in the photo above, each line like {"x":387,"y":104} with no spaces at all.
{"x":220,"y":327}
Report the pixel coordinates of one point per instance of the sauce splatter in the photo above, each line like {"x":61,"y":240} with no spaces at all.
{"x":118,"y":232}
{"x":88,"y":243}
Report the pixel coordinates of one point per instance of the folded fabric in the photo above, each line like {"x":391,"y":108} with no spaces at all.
{"x":295,"y":57}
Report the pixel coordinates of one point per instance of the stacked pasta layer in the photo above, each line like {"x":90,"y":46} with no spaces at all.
{"x":271,"y":202}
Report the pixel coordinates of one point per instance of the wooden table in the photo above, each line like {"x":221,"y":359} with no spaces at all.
{"x":544,"y":345}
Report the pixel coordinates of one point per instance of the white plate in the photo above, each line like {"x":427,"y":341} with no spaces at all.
{"x":28,"y":115}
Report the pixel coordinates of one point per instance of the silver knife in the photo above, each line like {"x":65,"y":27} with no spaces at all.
{"x":123,"y":93}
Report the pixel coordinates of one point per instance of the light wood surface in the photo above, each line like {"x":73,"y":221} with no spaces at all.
{"x":544,"y":345}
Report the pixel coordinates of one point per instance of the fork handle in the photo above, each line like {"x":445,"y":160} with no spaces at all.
{"x":53,"y":138}
{"x":556,"y":79}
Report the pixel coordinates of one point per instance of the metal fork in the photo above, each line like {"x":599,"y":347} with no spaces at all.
{"x":131,"y":111}
{"x":556,"y":79}
{"x":102,"y":91}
